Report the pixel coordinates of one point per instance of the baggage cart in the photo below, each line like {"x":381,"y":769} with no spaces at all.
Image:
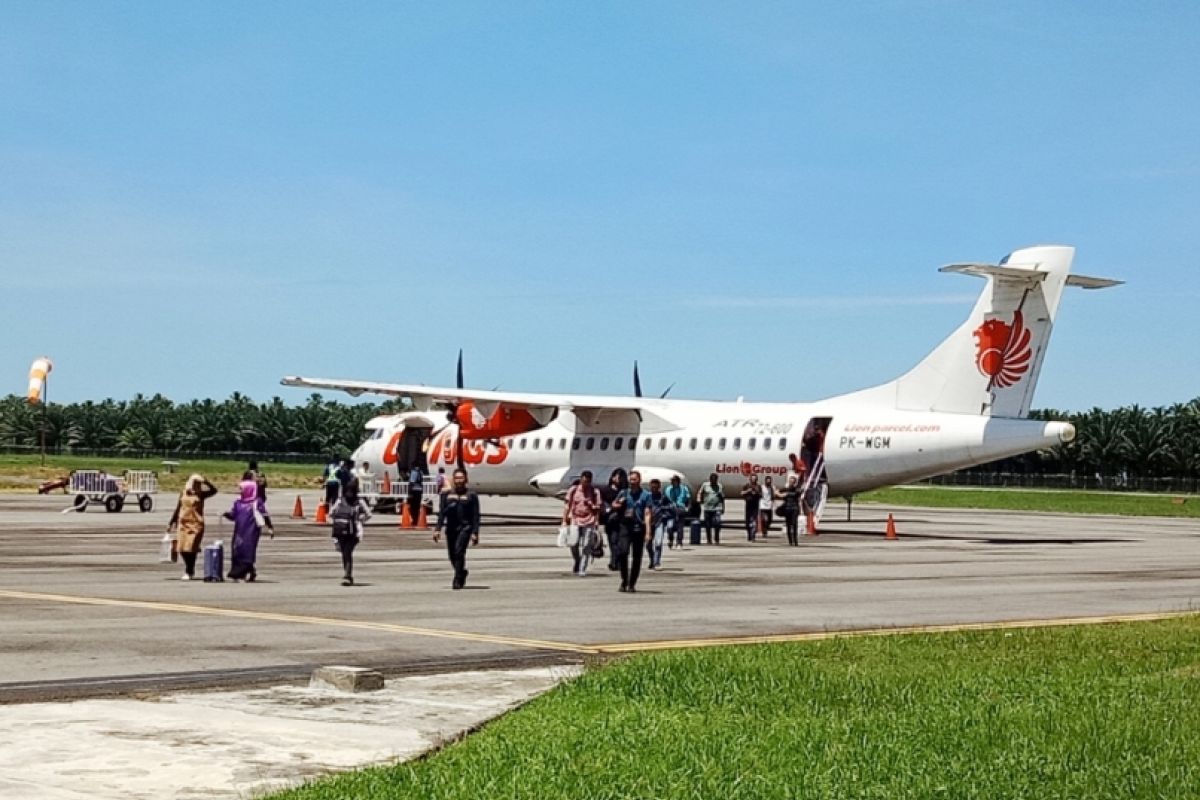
{"x":96,"y":486}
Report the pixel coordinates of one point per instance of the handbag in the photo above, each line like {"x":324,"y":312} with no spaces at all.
{"x":597,"y":547}
{"x":258,"y":517}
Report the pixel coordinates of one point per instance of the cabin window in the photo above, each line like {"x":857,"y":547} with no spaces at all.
{"x":522,"y":443}
{"x":767,"y":443}
{"x":691,"y":444}
{"x":562,"y":444}
{"x":575,"y":443}
{"x":679,"y":444}
{"x":737,"y":444}
{"x":708,"y":444}
{"x":618,"y":443}
{"x":783,"y":443}
{"x":750,"y":444}
{"x":662,"y":444}
{"x":646,"y":444}
{"x":632,"y":442}
{"x":591,"y":443}
{"x":604,"y":443}
{"x":721,"y":444}
{"x":536,"y":443}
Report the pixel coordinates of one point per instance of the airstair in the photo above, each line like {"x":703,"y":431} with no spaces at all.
{"x":815,"y":491}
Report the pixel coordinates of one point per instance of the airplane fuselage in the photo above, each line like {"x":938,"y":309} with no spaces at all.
{"x":863,"y":448}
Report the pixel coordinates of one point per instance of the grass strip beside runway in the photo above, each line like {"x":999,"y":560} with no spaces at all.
{"x":1065,"y":502}
{"x":1086,"y":712}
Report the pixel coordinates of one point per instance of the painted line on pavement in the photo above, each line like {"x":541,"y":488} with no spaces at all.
{"x":269,"y":616}
{"x":618,"y":648}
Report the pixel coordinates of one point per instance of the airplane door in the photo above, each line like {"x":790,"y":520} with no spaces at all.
{"x":410,"y":451}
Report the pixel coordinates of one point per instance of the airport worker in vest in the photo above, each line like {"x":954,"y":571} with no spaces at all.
{"x":459,"y":516}
{"x":188,"y":521}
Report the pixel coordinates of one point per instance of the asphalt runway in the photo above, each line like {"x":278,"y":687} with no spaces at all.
{"x":86,"y":609}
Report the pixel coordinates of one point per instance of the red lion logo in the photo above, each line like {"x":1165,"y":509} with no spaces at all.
{"x":1002,"y":351}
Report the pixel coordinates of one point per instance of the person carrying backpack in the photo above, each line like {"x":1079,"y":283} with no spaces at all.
{"x":582,"y":510}
{"x":348,"y":515}
{"x":679,"y":494}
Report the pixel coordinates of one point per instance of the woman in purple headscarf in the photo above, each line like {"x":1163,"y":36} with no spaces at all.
{"x":249,"y":515}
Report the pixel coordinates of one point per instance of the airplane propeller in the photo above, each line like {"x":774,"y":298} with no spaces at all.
{"x":637,"y":384}
{"x":452,"y":415}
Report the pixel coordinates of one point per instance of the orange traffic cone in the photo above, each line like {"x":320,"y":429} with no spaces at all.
{"x":811,"y":524}
{"x":423,"y":519}
{"x":405,"y":517}
{"x":298,"y":509}
{"x":386,"y":487}
{"x":890,"y":533}
{"x":322,"y":517}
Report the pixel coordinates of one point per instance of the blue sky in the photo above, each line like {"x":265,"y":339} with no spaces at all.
{"x":750,"y":199}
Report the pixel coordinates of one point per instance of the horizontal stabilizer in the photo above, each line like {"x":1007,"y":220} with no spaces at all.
{"x":1030,"y":274}
{"x":1088,"y":282}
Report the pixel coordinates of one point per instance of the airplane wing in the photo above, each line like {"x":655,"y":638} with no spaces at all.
{"x":590,"y":409}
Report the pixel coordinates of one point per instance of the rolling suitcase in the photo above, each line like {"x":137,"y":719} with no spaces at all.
{"x":214,"y":562}
{"x":695,"y":530}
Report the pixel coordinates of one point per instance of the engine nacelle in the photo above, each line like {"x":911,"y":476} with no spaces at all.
{"x":495,"y":421}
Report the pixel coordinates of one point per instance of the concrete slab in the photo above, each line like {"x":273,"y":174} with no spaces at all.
{"x":241,"y":744}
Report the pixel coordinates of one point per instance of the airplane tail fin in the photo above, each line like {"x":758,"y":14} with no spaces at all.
{"x":990,"y":365}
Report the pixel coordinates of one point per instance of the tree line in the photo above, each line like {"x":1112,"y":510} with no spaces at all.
{"x":1132,"y":440}
{"x":156,"y":425}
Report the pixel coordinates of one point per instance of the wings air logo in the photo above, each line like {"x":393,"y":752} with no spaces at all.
{"x":1002,"y":350}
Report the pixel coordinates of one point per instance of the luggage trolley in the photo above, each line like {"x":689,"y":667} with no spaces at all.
{"x":95,"y":486}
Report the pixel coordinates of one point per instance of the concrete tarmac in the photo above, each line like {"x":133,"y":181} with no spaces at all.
{"x":86,"y":609}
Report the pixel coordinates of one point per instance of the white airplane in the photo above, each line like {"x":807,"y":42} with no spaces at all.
{"x":966,"y":403}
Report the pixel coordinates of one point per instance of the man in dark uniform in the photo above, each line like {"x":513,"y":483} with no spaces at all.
{"x":633,"y":506}
{"x":459,"y":515}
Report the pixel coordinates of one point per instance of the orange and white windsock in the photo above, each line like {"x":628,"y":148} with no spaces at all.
{"x":38,"y":373}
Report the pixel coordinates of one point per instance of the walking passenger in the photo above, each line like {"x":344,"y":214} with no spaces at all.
{"x":766,"y":509}
{"x":712,"y":504}
{"x":790,"y":496}
{"x":664,"y":520}
{"x":416,"y":491}
{"x":617,"y":483}
{"x":633,"y":508}
{"x":249,"y":515}
{"x":188,"y":521}
{"x":583,"y":511}
{"x":679,"y":494}
{"x":752,"y":495}
{"x":348,"y":515}
{"x":459,"y":516}
{"x":260,"y":479}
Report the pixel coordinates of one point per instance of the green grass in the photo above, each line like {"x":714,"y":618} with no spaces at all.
{"x":23,"y":472}
{"x":1084,"y":712}
{"x":1132,"y":505}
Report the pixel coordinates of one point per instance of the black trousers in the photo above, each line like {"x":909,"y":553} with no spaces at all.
{"x":751,"y":520}
{"x":791,"y":519}
{"x":346,"y":545}
{"x":712,"y":527}
{"x":414,"y":505}
{"x":457,"y":543}
{"x":612,"y":530}
{"x":631,"y":543}
{"x":189,"y":563}
{"x":332,"y":492}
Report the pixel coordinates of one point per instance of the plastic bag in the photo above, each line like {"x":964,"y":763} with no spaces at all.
{"x":568,"y":535}
{"x":166,"y":549}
